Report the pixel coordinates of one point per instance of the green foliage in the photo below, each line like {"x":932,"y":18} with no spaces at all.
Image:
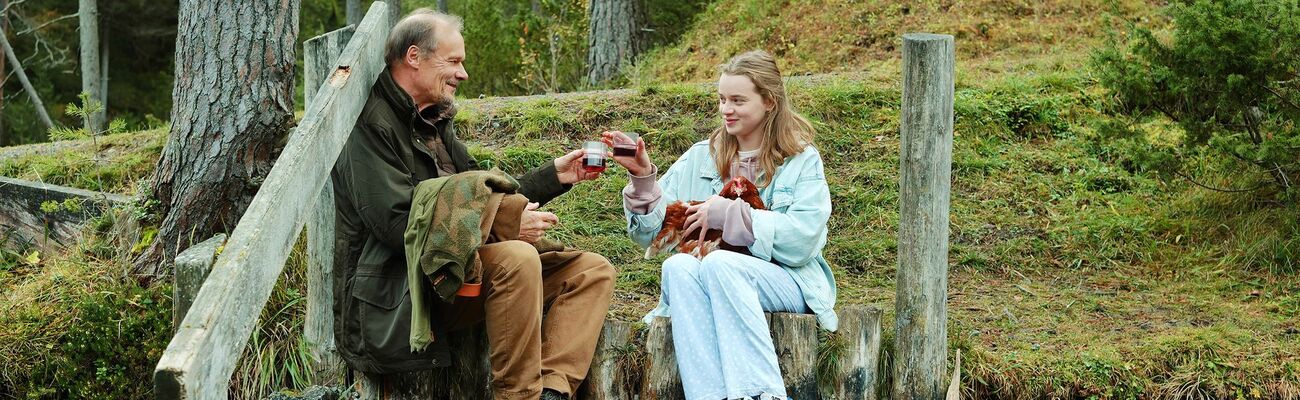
{"x":83,"y":112}
{"x":140,"y":44}
{"x":514,"y":49}
{"x":113,"y":346}
{"x":1227,"y":75}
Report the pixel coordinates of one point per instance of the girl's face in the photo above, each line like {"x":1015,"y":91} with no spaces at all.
{"x":742,"y":109}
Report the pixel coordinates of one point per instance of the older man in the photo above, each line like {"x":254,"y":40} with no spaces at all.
{"x":404,"y":135}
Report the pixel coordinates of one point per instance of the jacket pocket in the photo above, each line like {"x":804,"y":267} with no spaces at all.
{"x":782,"y":198}
{"x":384,"y":310}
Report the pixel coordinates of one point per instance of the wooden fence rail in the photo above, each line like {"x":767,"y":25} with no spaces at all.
{"x":201,"y":357}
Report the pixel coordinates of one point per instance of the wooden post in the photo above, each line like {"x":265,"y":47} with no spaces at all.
{"x":662,"y":381}
{"x":192,"y":267}
{"x":921,"y":344}
{"x":200,"y":358}
{"x":795,"y":339}
{"x":793,"y":335}
{"x":320,"y":55}
{"x":27,"y":85}
{"x":858,"y":374}
{"x":616,"y":369}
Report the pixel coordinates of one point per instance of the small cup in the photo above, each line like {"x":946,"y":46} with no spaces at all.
{"x":626,"y":149}
{"x":593,"y":159}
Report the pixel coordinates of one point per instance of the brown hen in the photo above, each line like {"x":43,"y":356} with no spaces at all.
{"x":672,"y":235}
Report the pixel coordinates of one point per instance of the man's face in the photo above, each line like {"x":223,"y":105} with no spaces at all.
{"x":441,"y":72}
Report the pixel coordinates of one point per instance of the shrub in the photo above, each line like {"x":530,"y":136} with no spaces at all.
{"x":1227,"y":75}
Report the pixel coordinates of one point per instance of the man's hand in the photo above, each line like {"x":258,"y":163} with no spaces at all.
{"x":568,"y":168}
{"x":533,"y":224}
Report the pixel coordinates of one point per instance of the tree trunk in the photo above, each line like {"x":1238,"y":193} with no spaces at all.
{"x":394,"y":10}
{"x":353,"y":11}
{"x":27,"y":85}
{"x":614,"y":37}
{"x":4,"y":30}
{"x":103,"y":70}
{"x":442,"y":5}
{"x":232,"y":105}
{"x":88,"y":14}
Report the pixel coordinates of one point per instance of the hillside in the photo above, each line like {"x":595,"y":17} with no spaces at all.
{"x":1072,"y":275}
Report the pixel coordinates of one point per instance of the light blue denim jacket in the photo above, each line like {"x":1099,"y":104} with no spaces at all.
{"x":790,"y":233}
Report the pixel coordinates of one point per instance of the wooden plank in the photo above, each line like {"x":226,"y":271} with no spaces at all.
{"x":24,"y":225}
{"x":925,"y":164}
{"x":200,"y":358}
{"x":192,"y":268}
{"x":858,"y":374}
{"x":617,"y":367}
{"x":320,"y":55}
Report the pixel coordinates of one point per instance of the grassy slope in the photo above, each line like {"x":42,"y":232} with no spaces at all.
{"x":1070,"y":277}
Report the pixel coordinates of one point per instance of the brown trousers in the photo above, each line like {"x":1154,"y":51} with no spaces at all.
{"x":543,"y":315}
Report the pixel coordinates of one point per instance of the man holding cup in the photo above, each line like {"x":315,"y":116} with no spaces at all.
{"x":405,"y":135}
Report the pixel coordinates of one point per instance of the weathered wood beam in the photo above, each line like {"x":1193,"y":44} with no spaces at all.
{"x":24,"y":224}
{"x":202,"y":355}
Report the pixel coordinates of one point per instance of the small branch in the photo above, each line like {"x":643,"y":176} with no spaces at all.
{"x":1280,"y":96}
{"x":11,"y":5}
{"x":47,"y":23}
{"x":1193,"y":181}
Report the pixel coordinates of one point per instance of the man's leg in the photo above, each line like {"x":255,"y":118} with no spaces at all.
{"x":512,"y":307}
{"x":576,"y":297}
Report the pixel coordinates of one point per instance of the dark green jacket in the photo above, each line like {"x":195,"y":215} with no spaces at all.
{"x":374,"y":179}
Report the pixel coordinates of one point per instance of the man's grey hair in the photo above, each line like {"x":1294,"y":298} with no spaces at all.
{"x":420,"y":29}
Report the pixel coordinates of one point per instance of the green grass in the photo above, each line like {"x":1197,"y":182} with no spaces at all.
{"x":994,"y":37}
{"x":115,"y":165}
{"x":1071,"y":276}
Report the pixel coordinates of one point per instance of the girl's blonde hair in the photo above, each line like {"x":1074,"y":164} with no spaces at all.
{"x":785,"y":132}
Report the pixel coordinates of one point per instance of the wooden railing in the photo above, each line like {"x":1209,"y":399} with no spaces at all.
{"x":201,"y":357}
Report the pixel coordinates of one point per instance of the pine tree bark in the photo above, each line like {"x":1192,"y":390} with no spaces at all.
{"x":232,"y":106}
{"x":614,"y":37}
{"x":88,"y":15}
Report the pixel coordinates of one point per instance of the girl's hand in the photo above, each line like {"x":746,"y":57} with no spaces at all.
{"x":639,"y":164}
{"x":697,"y":216}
